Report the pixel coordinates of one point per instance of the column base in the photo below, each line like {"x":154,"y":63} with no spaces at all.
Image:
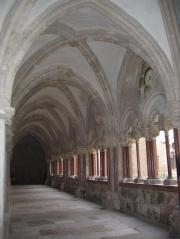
{"x":170,"y":181}
{"x":153,"y":181}
{"x":139,"y":180}
{"x":127,"y":180}
{"x":174,"y":220}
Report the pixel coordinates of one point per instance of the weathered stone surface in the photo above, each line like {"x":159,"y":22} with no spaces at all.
{"x":44,"y":212}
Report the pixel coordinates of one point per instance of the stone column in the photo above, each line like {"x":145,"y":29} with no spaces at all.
{"x":87,"y":164}
{"x":80,"y":168}
{"x":105,"y":164}
{"x":2,"y":173}
{"x":102,"y":160}
{"x":90,"y":164}
{"x":169,"y":180}
{"x":152,"y":162}
{"x":98,"y":163}
{"x":149,"y":170}
{"x":5,"y":156}
{"x":139,"y":178}
{"x":111,"y":169}
{"x":175,"y":216}
{"x":83,"y":161}
{"x":177,"y":154}
{"x":94,"y":164}
{"x":124,"y":152}
{"x":154,"y":159}
{"x":115,"y":165}
{"x":108,"y":166}
{"x":129,"y":163}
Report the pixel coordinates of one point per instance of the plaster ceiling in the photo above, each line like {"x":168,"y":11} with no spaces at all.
{"x":89,"y":49}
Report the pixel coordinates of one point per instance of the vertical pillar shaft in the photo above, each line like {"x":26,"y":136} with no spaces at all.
{"x":78,"y":167}
{"x":91,"y":171}
{"x":2,"y":174}
{"x":84,"y":167}
{"x":102,"y":161}
{"x":149,"y":170}
{"x":111,"y":168}
{"x":88,"y":164}
{"x":98,"y":163}
{"x":129,"y":161}
{"x":95,"y":164}
{"x":124,"y":161}
{"x":75,"y":166}
{"x":152,"y":162}
{"x":105,"y":163}
{"x":177,"y":153}
{"x":115,"y":171}
{"x":108,"y":166}
{"x":168,"y":155}
{"x":138,"y":160}
{"x":62,"y":166}
{"x":155,"y":163}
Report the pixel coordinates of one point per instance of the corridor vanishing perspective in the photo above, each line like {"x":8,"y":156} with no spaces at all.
{"x":40,"y":212}
{"x":90,"y":106}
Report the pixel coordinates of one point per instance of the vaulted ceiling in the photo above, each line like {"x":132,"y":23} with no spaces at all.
{"x":68,"y":83}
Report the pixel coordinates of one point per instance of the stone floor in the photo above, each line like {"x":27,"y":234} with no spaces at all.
{"x":43,"y":212}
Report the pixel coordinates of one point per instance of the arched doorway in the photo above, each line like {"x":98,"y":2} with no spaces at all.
{"x":28,"y":162}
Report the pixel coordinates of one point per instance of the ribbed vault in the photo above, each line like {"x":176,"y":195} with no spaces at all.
{"x":77,"y":61}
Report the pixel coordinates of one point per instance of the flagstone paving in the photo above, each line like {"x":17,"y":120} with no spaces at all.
{"x":44,"y":212}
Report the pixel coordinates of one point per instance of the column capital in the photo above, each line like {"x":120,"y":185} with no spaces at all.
{"x":82,"y":149}
{"x":147,"y":133}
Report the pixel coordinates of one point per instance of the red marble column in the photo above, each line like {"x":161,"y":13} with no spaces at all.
{"x":177,"y":153}
{"x":152,"y":162}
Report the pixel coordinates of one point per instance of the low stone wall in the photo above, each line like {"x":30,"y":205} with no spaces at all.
{"x":154,"y":202}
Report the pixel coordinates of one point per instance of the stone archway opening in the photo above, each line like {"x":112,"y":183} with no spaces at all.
{"x":28,"y":164}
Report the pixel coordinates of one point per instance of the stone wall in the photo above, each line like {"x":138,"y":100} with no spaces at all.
{"x":153,"y":202}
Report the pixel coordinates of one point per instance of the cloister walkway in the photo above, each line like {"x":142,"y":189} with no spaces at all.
{"x":44,"y":212}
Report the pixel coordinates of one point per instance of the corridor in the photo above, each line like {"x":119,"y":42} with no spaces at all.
{"x":44,"y":212}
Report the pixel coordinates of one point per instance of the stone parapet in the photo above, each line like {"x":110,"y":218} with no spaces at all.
{"x":174,"y":220}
